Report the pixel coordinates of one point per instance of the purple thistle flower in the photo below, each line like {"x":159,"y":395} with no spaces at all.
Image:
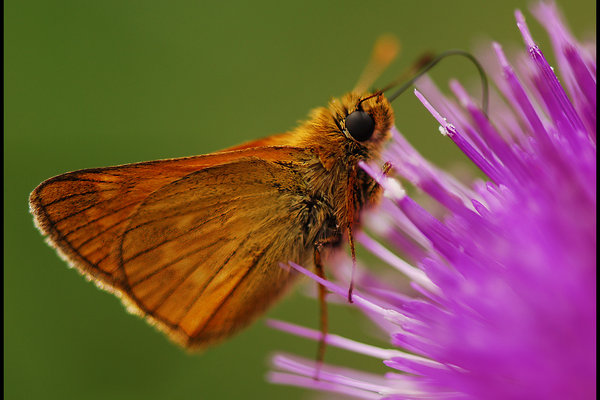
{"x":505,"y":283}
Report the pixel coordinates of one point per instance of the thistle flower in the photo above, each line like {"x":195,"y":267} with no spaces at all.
{"x":505,"y":283}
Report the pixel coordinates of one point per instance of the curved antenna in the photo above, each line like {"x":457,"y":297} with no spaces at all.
{"x":425,"y":59}
{"x":455,"y":52}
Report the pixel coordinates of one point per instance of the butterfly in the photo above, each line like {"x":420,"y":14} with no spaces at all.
{"x":195,"y":244}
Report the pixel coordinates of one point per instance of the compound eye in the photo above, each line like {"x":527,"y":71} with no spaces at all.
{"x":360,"y":125}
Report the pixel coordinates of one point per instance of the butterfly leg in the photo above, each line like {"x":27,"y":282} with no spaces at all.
{"x":323,"y":320}
{"x":352,"y":207}
{"x":385,"y":170}
{"x":353,"y":254}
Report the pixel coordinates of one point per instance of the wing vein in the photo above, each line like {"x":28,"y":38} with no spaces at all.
{"x":79,"y":194}
{"x":219,"y":202}
{"x":87,"y":208}
{"x":157,"y":245}
{"x":90,"y":222}
{"x":98,"y":234}
{"x":224,"y":298}
{"x":175,"y":261}
{"x":200,"y":291}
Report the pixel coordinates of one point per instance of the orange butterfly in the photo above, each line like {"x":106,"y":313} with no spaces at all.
{"x":194,"y":244}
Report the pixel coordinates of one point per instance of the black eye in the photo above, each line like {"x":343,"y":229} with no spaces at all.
{"x":360,"y":125}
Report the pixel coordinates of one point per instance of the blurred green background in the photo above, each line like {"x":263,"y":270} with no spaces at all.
{"x":90,"y":84}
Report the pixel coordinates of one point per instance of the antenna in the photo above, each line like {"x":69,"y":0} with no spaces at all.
{"x":434,"y":62}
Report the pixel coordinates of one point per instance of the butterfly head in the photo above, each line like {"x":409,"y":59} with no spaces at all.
{"x":361,"y":122}
{"x":363,"y":119}
{"x":355,"y":125}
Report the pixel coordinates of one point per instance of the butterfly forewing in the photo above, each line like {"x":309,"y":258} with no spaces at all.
{"x":193,"y":243}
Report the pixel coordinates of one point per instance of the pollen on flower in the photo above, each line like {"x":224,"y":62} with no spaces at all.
{"x":393,"y":190}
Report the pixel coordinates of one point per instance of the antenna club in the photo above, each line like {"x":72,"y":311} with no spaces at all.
{"x":386,"y":48}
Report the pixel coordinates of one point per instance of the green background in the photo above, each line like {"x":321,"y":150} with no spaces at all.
{"x":90,"y":84}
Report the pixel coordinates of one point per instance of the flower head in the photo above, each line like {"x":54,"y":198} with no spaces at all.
{"x":505,"y":283}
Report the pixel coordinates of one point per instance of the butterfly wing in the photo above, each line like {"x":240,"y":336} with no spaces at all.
{"x":194,"y":243}
{"x":281,"y":139}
